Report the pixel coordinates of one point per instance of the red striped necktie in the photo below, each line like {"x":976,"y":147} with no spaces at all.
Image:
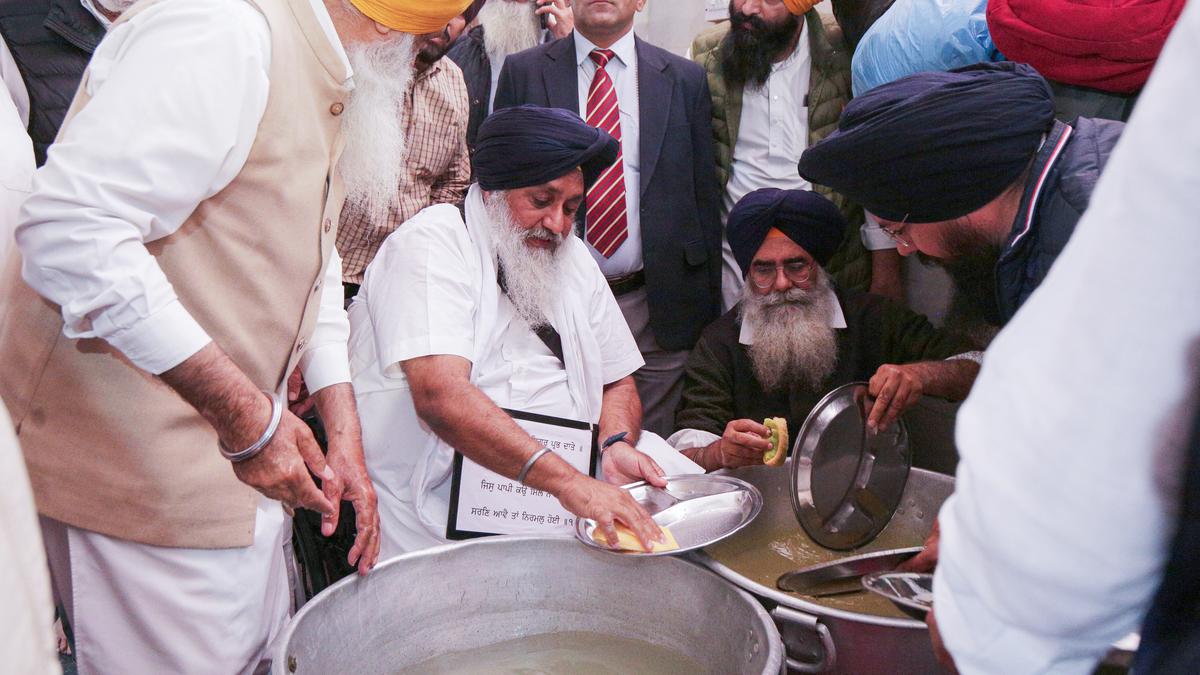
{"x":607,"y":220}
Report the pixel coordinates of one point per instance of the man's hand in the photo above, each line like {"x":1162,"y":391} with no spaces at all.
{"x":896,"y":389}
{"x":607,"y":505}
{"x":213,"y":384}
{"x":743,"y":444}
{"x":561,"y":19}
{"x":339,"y":414}
{"x":280,"y":471}
{"x":925,"y":561}
{"x":298,"y":399}
{"x":622,"y":463}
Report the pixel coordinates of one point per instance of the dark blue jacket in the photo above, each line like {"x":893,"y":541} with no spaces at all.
{"x":680,"y":216}
{"x":1034,"y":245}
{"x":51,"y":42}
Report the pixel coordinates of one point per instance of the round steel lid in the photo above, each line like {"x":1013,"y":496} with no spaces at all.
{"x":846,"y":482}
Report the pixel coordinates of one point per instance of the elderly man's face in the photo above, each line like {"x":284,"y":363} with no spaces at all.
{"x":551,"y":206}
{"x":779,"y":266}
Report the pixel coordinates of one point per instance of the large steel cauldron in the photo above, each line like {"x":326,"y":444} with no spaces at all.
{"x":862,"y":633}
{"x":489,"y":591}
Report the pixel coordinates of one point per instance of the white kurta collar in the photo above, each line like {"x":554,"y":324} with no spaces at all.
{"x":836,"y":319}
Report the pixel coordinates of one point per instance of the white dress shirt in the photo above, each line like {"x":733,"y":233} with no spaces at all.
{"x":1071,"y":440}
{"x":164,"y":131}
{"x":623,"y":69}
{"x":14,"y":84}
{"x":772,"y":134}
{"x":16,"y":161}
{"x":431,"y":290}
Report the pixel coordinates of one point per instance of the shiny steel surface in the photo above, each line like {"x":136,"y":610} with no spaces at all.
{"x":700,"y":509}
{"x":911,"y":592}
{"x":860,"y":634}
{"x":815,"y":579}
{"x":847,"y":482}
{"x":484,"y":592}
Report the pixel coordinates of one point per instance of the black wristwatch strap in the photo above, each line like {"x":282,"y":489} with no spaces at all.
{"x":613,"y":440}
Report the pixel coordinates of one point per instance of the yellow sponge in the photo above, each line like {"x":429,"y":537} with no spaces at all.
{"x":628,"y":541}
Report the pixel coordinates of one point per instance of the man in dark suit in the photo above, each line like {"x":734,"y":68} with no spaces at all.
{"x":652,"y":222}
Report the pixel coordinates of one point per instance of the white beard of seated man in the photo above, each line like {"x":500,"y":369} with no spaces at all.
{"x":792,"y":336}
{"x":439,"y":346}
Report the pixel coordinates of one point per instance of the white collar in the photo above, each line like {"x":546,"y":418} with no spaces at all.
{"x":836,"y":319}
{"x":92,"y":9}
{"x":625,"y":48}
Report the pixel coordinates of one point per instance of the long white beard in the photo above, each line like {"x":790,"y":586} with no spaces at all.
{"x":792,"y":337}
{"x":509,"y":27}
{"x":374,"y":125}
{"x":532,"y":275}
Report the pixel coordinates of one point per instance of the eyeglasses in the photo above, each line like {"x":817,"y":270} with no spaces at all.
{"x":762,"y":275}
{"x":898,"y":235}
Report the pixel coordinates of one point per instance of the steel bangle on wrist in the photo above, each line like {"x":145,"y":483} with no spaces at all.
{"x":257,"y":446}
{"x":529,"y":464}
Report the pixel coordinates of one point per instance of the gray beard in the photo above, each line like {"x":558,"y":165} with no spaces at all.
{"x":374,"y":125}
{"x":508,"y":28}
{"x":793,"y":341}
{"x":531,"y":275}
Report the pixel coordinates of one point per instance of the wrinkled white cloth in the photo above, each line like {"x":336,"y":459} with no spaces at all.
{"x":432,"y":289}
{"x":1071,"y":441}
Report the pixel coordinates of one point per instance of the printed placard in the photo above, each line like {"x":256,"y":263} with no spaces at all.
{"x":482,"y":502}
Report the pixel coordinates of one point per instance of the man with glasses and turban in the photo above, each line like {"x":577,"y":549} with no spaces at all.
{"x":969,"y":167}
{"x":457,"y":319}
{"x":794,"y":336}
{"x":178,"y":262}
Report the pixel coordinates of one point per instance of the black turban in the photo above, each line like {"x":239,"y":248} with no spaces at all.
{"x":935,"y":146}
{"x":807,"y":218}
{"x":527,"y":145}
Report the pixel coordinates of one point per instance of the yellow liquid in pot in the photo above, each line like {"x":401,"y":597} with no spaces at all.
{"x":575,"y":652}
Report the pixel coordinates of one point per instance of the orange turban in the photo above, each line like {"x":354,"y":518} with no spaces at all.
{"x":799,"y":7}
{"x":417,"y":17}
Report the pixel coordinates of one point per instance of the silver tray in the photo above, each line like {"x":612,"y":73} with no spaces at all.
{"x":700,"y":509}
{"x":910,"y":591}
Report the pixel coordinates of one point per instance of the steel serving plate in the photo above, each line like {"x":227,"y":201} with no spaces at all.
{"x":699,"y":509}
{"x":847,"y":481}
{"x":910,"y":591}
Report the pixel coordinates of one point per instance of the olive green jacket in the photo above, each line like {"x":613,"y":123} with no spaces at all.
{"x":828,"y":93}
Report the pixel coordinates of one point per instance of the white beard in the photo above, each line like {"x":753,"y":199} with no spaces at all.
{"x":792,"y":337}
{"x":508,"y":28}
{"x":374,"y":125}
{"x":532,"y":275}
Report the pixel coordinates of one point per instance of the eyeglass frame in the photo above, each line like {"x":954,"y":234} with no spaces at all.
{"x":807,"y":272}
{"x":897,"y":235}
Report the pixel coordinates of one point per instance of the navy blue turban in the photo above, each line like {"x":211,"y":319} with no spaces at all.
{"x":807,"y":218}
{"x":935,"y":146}
{"x":527,"y":145}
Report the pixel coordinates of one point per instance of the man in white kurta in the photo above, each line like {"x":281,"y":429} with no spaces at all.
{"x":432,"y":292}
{"x":1072,"y":440}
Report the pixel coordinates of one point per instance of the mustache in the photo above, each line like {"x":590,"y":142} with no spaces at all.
{"x":792,"y":296}
{"x":738,"y":20}
{"x":543,"y":234}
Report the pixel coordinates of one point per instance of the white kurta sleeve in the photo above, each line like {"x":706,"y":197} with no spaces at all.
{"x":177,"y":93}
{"x":326,"y":359}
{"x":618,"y":350}
{"x":421,"y":290}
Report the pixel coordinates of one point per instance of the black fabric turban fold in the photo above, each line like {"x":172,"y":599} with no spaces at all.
{"x":527,"y":145}
{"x":807,"y":218}
{"x":935,"y":146}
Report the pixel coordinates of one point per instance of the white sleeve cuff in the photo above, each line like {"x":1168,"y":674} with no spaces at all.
{"x":976,"y":356}
{"x":873,"y":236}
{"x":324,"y":366}
{"x":686,"y":439}
{"x":162,"y":340}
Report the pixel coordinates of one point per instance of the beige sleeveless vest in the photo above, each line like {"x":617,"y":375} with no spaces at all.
{"x":112,"y":449}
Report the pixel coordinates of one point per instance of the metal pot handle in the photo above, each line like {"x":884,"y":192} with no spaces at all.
{"x":828,"y":655}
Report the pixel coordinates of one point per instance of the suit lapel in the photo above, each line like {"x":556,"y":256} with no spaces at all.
{"x":561,"y":76}
{"x":654,"y":108}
